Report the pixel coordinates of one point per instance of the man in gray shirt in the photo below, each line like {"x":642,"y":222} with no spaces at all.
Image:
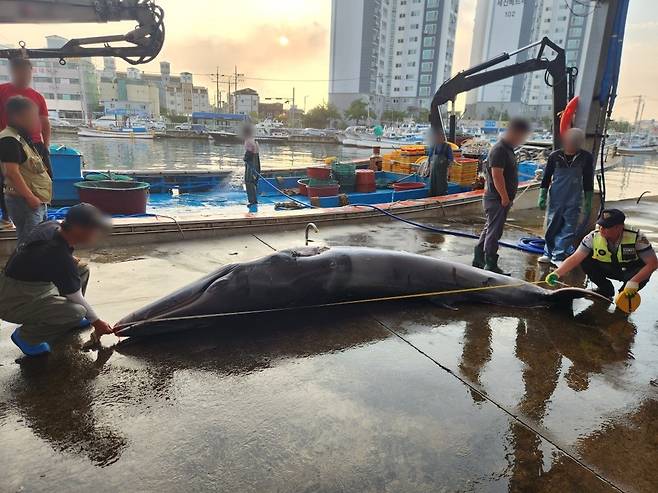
{"x":502,"y":175}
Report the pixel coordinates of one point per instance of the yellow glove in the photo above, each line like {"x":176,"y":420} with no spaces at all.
{"x":631,"y":289}
{"x":552,"y":279}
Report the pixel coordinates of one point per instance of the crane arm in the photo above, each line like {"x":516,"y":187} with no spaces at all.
{"x":141,"y":45}
{"x":479,"y":76}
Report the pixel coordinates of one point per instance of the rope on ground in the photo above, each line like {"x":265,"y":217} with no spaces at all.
{"x":515,"y":417}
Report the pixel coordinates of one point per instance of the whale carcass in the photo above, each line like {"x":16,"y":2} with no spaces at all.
{"x":314,"y":276}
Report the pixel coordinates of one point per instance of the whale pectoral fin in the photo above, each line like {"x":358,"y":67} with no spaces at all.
{"x":442,"y":302}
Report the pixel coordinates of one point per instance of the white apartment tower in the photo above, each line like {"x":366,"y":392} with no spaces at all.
{"x":504,"y":26}
{"x":392,"y":53}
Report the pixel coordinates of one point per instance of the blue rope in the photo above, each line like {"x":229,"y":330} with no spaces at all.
{"x":528,"y":244}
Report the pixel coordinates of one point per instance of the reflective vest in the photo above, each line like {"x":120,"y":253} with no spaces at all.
{"x":625,"y":253}
{"x":32,"y":170}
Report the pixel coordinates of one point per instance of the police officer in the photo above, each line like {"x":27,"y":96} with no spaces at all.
{"x":612,"y":251}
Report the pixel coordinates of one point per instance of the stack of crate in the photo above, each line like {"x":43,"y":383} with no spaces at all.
{"x":464,"y":171}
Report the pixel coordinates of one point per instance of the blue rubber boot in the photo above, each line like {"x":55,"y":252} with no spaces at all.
{"x":84,"y":323}
{"x":29,"y":349}
{"x":253,"y":207}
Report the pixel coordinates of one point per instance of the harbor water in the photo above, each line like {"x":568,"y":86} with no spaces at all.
{"x":631,"y":176}
{"x":188,"y":154}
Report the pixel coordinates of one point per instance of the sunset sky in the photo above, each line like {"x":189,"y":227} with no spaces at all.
{"x":285,"y":43}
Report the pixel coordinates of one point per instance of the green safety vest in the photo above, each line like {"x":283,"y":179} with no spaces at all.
{"x":625,"y":253}
{"x":32,"y":170}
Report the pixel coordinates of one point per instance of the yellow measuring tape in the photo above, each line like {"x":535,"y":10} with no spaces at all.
{"x":328,"y":305}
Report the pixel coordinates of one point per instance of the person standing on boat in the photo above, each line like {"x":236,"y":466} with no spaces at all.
{"x":440,"y":158}
{"x":568,"y":182}
{"x":502,"y":180}
{"x":21,"y":78}
{"x":27,"y":184}
{"x":251,"y":167}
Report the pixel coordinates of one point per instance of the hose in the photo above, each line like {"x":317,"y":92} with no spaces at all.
{"x":527,"y":244}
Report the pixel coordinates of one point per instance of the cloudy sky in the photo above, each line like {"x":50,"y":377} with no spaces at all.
{"x":285,"y":43}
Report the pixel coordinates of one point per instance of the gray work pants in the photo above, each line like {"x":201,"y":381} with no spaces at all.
{"x":494,"y":225}
{"x":43,"y":314}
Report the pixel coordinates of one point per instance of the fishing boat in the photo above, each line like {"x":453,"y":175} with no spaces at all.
{"x":122,"y":133}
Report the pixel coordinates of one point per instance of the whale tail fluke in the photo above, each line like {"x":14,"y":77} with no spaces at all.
{"x":566,"y":295}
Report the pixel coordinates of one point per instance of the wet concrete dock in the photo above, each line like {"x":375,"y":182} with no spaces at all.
{"x":386,"y":397}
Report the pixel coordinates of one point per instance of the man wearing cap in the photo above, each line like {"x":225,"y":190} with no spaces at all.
{"x":612,"y":252}
{"x":43,"y":284}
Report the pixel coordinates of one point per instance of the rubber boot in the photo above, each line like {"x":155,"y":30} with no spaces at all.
{"x":478,"y":257}
{"x":253,"y":208}
{"x":491,"y":264}
{"x":29,"y":349}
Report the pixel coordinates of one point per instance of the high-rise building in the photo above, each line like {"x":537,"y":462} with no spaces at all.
{"x":504,"y":26}
{"x":391,"y":53}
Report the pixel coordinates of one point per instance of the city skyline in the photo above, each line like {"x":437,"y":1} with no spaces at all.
{"x":278,"y":46}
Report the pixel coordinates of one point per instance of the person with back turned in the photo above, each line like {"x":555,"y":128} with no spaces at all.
{"x":42,"y":286}
{"x":613,"y":251}
{"x":440,"y":159}
{"x":502,"y":180}
{"x":27,"y":184}
{"x":251,"y":167}
{"x":568,"y":182}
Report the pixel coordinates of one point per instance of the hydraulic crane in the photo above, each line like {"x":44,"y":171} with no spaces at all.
{"x":563,"y":79}
{"x":141,"y":45}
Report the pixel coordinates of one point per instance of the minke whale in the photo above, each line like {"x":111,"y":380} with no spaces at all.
{"x":310,"y":276}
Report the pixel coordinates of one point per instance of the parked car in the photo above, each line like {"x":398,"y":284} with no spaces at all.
{"x":197,"y":128}
{"x":57,"y":122}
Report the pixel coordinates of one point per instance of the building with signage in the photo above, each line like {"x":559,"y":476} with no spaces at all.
{"x":393,"y":54}
{"x":505,"y":25}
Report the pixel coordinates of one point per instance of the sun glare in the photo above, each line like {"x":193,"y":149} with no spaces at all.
{"x":283,"y":41}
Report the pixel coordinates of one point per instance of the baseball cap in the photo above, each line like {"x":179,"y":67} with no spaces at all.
{"x":611,"y":217}
{"x":87,"y":216}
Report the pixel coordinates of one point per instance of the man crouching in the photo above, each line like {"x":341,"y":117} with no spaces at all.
{"x":43,"y":284}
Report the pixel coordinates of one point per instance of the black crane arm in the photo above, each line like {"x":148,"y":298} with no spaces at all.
{"x":479,"y":76}
{"x":141,"y":45}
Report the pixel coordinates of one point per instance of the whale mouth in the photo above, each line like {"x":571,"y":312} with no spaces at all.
{"x":164,"y":308}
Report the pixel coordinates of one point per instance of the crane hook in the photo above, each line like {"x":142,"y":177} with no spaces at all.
{"x":310,"y":226}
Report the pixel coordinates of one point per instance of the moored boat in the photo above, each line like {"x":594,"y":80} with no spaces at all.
{"x":124,"y":133}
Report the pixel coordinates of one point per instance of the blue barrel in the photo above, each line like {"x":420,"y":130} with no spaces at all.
{"x":67,"y":170}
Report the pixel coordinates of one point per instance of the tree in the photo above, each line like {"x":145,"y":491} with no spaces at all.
{"x":504,"y":116}
{"x":621,"y":126}
{"x":357,"y":111}
{"x":491,"y":113}
{"x":392,"y":116}
{"x":321,"y":116}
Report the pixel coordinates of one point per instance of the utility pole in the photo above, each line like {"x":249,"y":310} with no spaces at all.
{"x":217,"y":89}
{"x":293,"y":109}
{"x":235,"y":81}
